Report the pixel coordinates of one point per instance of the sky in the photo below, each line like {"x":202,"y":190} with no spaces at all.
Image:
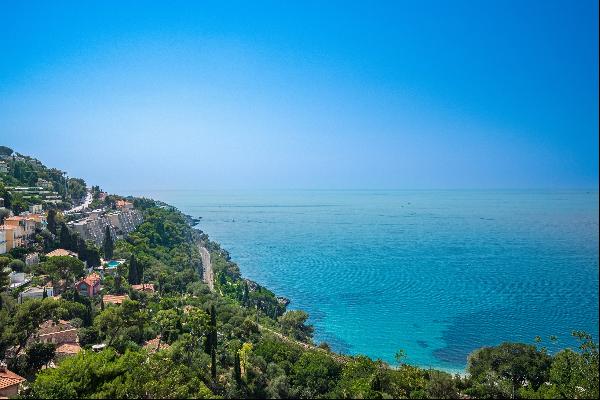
{"x":314,"y":95}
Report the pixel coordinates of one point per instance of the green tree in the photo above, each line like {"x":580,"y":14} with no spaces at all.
{"x":51,"y":220}
{"x":132,"y":276}
{"x":65,"y":239}
{"x":63,"y":268}
{"x":516,"y":362}
{"x":108,"y":244}
{"x":293,"y":323}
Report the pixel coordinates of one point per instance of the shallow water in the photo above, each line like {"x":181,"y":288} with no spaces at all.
{"x":436,"y":273}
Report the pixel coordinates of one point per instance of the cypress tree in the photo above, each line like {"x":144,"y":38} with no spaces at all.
{"x":213,"y":364}
{"x":45,"y":294}
{"x":132,"y":277}
{"x":51,"y":220}
{"x":108,"y":244}
{"x":65,"y":236}
{"x":213,"y":326}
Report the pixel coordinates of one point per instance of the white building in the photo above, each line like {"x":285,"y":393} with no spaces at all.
{"x":18,"y":279}
{"x":35,"y":292}
{"x":35,"y":208}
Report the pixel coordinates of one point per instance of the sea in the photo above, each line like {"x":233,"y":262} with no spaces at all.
{"x":436,"y":273}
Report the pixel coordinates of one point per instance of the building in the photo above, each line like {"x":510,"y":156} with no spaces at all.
{"x":10,"y":383}
{"x":144,"y":287}
{"x":92,"y":228}
{"x":125,"y":221}
{"x":35,"y":208}
{"x":45,"y":184}
{"x":13,"y":235}
{"x":66,"y":350}
{"x":3,"y":167}
{"x":36,"y":292}
{"x":114,"y":299}
{"x":18,"y":279}
{"x":90,"y":285}
{"x":62,"y":253}
{"x":56,"y":332}
{"x":124,"y":205}
{"x":26,"y":223}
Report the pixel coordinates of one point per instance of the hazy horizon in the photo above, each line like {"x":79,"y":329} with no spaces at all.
{"x":268,"y":95}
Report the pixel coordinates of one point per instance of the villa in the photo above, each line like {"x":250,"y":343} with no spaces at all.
{"x":89,"y":286}
{"x":36,"y":292}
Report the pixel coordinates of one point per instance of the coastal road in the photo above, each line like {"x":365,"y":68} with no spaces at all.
{"x":208,"y":277}
{"x":207,"y":270}
{"x":86,"y":204}
{"x":306,"y":346}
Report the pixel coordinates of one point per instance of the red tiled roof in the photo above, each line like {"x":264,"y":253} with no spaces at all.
{"x":68,"y":348}
{"x":61,"y":253}
{"x":114,"y":299}
{"x":9,"y":378}
{"x":92,"y":279}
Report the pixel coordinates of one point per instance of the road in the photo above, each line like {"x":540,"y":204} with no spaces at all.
{"x":207,"y":270}
{"x":86,"y":203}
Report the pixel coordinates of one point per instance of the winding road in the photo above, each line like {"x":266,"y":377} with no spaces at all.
{"x":207,"y":270}
{"x":208,"y":277}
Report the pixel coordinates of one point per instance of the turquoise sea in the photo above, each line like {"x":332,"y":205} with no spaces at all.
{"x":436,"y":273}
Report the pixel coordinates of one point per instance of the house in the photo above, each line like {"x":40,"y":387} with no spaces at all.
{"x":36,"y":292}
{"x":66,"y":349}
{"x":27,"y":224}
{"x":90,"y":285}
{"x":18,"y":279}
{"x":114,"y":299}
{"x":13,"y":236}
{"x":60,"y":332}
{"x":35,"y":208}
{"x":61,"y":253}
{"x":124,"y":205}
{"x":10,"y":383}
{"x":144,"y":287}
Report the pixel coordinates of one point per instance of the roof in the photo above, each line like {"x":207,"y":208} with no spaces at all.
{"x":68,"y":348}
{"x":114,"y":299}
{"x":123,"y":203}
{"x":61,"y":252}
{"x":144,"y":287}
{"x":59,"y":333}
{"x":50,"y":326}
{"x":14,"y":218}
{"x":92,"y":279}
{"x":9,"y":378}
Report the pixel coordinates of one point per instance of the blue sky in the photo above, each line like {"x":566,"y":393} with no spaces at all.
{"x":399,"y":94}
